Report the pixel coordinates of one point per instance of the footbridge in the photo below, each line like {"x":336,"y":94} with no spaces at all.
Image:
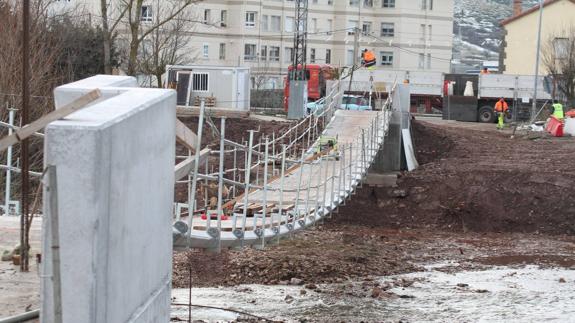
{"x":292,"y":182}
{"x":110,"y":225}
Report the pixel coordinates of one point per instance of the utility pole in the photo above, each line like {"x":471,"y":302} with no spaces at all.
{"x":297,"y":77}
{"x":538,"y":55}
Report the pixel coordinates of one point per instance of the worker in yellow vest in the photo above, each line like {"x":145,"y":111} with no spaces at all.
{"x":558,"y":110}
{"x":501,"y":109}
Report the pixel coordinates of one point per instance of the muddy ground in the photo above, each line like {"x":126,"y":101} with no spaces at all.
{"x":479,"y":198}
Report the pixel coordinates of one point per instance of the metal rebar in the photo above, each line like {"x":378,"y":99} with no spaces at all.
{"x":221,"y":182}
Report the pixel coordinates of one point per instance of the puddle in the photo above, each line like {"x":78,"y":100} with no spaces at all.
{"x":528,"y":294}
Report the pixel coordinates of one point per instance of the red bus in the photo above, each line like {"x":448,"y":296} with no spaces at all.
{"x":316,"y":75}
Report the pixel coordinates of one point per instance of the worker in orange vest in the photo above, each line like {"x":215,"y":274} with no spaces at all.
{"x":367,"y":58}
{"x":501,"y":108}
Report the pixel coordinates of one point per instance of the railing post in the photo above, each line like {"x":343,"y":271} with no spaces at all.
{"x":265,"y":192}
{"x":234,"y":171}
{"x":192,"y":192}
{"x":301,"y":163}
{"x":220,"y":182}
{"x":281,"y":206}
{"x":246,"y":186}
{"x":320,"y":159}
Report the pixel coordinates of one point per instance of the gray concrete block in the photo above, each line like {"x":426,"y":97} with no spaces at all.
{"x":115,"y":170}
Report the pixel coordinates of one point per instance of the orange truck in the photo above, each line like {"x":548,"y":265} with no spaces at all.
{"x":317,"y":76}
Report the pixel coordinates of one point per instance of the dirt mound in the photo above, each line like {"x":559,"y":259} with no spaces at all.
{"x":475,"y":181}
{"x":316,"y":255}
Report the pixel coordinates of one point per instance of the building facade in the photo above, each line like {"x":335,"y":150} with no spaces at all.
{"x":404,"y":34}
{"x":519,"y":46}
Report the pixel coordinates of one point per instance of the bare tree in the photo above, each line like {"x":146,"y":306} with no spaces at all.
{"x":140,"y":28}
{"x":559,"y":59}
{"x":166,"y":46}
{"x":109,"y":25}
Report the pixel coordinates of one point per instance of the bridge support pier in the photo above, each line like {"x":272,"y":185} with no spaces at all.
{"x":390,"y":158}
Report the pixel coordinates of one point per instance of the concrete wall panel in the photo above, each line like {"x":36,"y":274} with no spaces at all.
{"x":115,"y":176}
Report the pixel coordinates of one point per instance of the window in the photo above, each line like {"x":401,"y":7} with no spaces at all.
{"x":428,"y":61}
{"x":430,"y":5}
{"x":352,"y":25}
{"x":421,"y":64}
{"x":223,"y":18}
{"x":328,"y":56}
{"x":200,"y":82}
{"x":368,"y":3}
{"x":313,"y":25}
{"x":329,"y":26}
{"x":429,"y":32}
{"x":330,"y":2}
{"x":354,"y":3}
{"x":289,"y":24}
{"x":423,"y":4}
{"x":206,"y":51}
{"x":366,"y":28}
{"x":146,"y":13}
{"x":387,"y":29}
{"x":264,"y":53}
{"x":312,"y":55}
{"x":288,"y":54}
{"x":274,"y":53}
{"x":222,"y":51}
{"x":250,"y":52}
{"x":251,"y":19}
{"x":264,"y":24}
{"x":386,"y":58}
{"x":388,"y":3}
{"x":207,"y":16}
{"x":276,"y":23}
{"x":422,"y":29}
{"x":350,"y":59}
{"x":314,"y":1}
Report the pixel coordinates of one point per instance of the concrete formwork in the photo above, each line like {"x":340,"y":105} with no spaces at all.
{"x":114,"y":163}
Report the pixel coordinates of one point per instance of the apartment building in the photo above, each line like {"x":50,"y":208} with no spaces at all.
{"x":404,"y":34}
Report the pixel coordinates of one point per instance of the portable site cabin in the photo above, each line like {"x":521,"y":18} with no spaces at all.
{"x":224,"y":87}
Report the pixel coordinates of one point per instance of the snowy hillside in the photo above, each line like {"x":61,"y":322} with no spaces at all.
{"x":478,"y":21}
{"x":477,"y":31}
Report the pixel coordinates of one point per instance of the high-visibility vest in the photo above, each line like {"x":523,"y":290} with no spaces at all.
{"x":368,"y":59}
{"x":558,"y":111}
{"x":501,"y":107}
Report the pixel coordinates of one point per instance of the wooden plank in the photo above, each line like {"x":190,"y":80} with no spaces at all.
{"x":212,"y":112}
{"x":185,"y":136}
{"x":29,"y":129}
{"x":185,"y":167}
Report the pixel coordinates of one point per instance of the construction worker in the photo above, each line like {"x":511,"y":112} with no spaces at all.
{"x":367,"y":58}
{"x":485,"y":71}
{"x":501,"y":108}
{"x":558,"y":110}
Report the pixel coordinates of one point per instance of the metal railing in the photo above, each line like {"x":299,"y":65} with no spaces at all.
{"x":304,"y":186}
